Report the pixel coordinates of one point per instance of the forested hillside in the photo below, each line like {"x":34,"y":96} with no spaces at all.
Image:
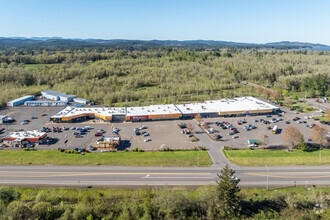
{"x":117,"y":77}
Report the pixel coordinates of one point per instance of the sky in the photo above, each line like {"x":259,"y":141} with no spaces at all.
{"x":251,"y":21}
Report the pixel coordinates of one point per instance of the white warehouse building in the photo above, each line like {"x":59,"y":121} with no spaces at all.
{"x":20,"y":101}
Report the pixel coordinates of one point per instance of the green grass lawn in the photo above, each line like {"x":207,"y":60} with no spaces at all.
{"x":323,"y":119}
{"x":276,"y":157}
{"x":166,"y":159}
{"x":305,"y":107}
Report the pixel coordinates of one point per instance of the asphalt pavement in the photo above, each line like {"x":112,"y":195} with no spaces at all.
{"x":84,"y":176}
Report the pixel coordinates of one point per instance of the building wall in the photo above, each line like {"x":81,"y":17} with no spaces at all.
{"x":20,"y":102}
{"x":36,"y":103}
{"x":81,"y":101}
{"x":105,"y":118}
{"x":242,"y":112}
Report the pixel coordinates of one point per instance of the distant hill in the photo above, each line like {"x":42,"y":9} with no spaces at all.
{"x":78,"y":42}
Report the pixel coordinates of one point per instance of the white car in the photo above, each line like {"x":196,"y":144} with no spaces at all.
{"x":143,"y":127}
{"x":147,"y":140}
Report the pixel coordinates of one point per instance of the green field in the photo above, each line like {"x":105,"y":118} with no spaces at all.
{"x":166,"y":159}
{"x":276,"y":157}
{"x":303,"y":106}
{"x":323,"y":119}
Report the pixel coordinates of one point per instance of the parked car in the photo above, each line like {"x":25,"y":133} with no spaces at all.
{"x":235,"y":136}
{"x":75,"y":133}
{"x":73,"y":128}
{"x":146,"y":134}
{"x":101,"y":131}
{"x":98,"y":134}
{"x":218,"y":137}
{"x":269,"y":128}
{"x":287,"y":122}
{"x":91,"y":148}
{"x":147,"y":140}
{"x":182,"y":126}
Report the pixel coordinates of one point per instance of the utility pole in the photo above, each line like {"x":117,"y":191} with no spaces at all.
{"x":198,"y":158}
{"x":267,"y":178}
{"x":320,"y":156}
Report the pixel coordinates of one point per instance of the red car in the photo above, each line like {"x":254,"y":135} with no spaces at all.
{"x":269,"y":128}
{"x":98,"y":134}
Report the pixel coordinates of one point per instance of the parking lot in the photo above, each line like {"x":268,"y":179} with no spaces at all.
{"x":262,"y":132}
{"x":161,"y":133}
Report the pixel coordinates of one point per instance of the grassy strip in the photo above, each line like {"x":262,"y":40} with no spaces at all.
{"x":166,"y":159}
{"x":324,"y":119}
{"x":276,"y":157}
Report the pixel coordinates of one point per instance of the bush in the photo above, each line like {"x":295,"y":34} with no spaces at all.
{"x":126,"y":150}
{"x":43,"y":210}
{"x":41,"y":196}
{"x":18,"y":211}
{"x":81,"y":212}
{"x":7,"y":195}
{"x":164,"y":148}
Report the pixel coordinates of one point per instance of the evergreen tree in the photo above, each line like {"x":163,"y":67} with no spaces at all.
{"x":228,"y":194}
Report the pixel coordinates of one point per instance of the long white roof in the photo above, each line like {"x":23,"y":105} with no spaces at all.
{"x":152,"y":110}
{"x":240,"y":104}
{"x":212,"y":106}
{"x":196,"y":108}
{"x":73,"y":111}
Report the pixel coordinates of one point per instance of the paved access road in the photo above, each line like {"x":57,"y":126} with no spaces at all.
{"x":125,"y":176}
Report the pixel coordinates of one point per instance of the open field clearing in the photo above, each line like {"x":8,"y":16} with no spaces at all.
{"x":166,"y":159}
{"x":276,"y":157}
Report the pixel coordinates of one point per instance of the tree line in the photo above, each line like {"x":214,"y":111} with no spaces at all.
{"x":121,"y":77}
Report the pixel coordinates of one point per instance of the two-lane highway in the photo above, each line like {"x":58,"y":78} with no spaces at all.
{"x":125,"y":176}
